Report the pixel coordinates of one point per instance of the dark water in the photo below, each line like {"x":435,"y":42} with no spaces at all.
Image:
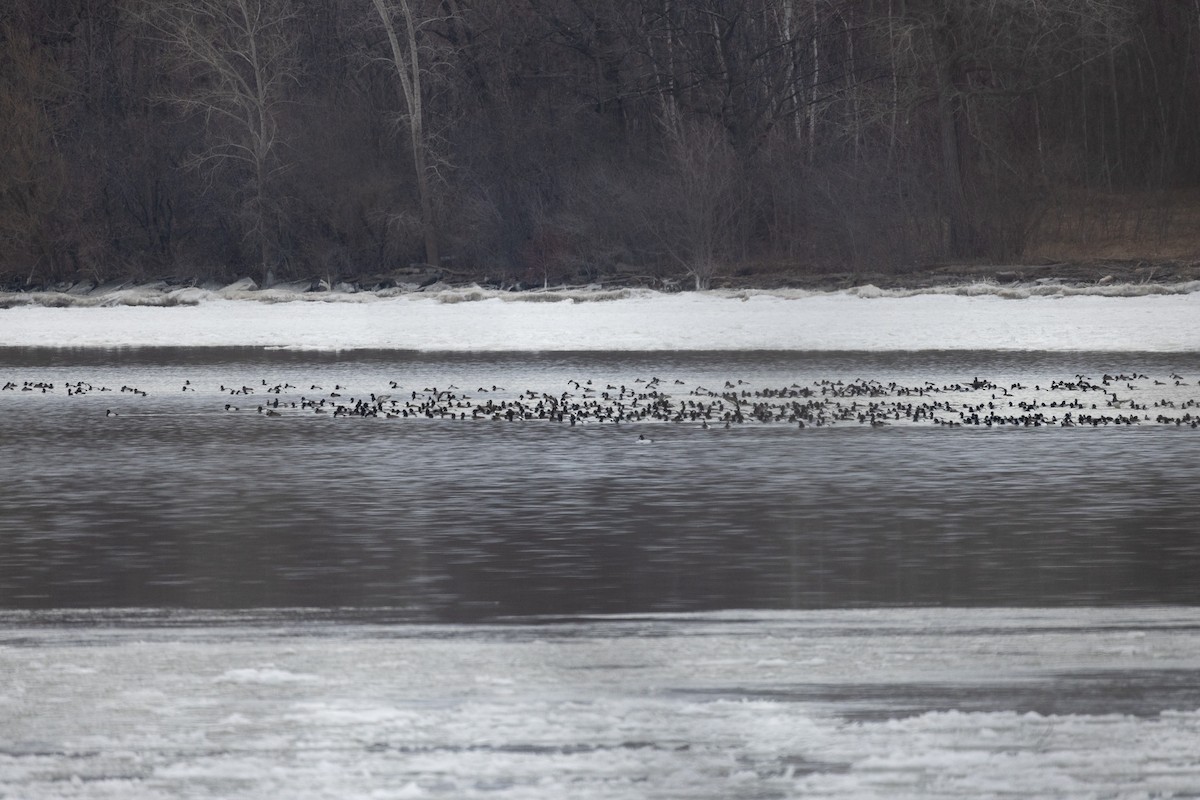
{"x":178,"y":503}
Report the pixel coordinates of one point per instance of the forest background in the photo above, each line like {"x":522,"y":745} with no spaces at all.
{"x":531,"y":142}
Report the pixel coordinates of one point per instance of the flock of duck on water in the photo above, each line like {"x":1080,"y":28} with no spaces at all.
{"x":1120,"y":399}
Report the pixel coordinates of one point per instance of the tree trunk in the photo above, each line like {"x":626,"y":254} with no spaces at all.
{"x":409,"y":71}
{"x":963,"y":237}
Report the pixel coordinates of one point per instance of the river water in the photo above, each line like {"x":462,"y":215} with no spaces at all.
{"x":177,"y":502}
{"x":192,"y":597}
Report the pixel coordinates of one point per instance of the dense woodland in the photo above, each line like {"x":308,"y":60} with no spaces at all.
{"x":534,"y":141}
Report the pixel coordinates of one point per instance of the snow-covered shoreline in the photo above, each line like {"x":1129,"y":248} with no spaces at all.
{"x":161,"y":293}
{"x":982,"y":316}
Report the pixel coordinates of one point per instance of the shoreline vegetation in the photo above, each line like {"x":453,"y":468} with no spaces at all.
{"x":665,"y":144}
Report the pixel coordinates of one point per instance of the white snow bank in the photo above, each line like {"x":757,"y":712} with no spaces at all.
{"x":479,"y":320}
{"x":159,"y":293}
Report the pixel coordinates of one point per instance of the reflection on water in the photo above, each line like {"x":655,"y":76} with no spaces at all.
{"x":177,"y":503}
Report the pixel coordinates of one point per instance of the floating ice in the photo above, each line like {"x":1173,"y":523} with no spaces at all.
{"x":265,"y":675}
{"x":904,"y":703}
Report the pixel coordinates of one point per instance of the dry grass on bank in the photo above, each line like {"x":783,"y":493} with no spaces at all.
{"x":1142,"y":226}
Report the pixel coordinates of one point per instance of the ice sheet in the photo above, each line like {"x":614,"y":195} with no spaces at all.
{"x":1143,"y":319}
{"x":874,"y":704}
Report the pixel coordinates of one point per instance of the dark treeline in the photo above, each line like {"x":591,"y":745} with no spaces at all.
{"x":565,"y":140}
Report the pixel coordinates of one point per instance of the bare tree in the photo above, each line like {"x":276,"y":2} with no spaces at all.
{"x":237,"y":59}
{"x":32,"y":178}
{"x":697,"y":218}
{"x":590,"y":135}
{"x":406,"y":57}
{"x":976,"y":59}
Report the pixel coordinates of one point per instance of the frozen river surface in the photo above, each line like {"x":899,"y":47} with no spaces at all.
{"x":1074,"y":703}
